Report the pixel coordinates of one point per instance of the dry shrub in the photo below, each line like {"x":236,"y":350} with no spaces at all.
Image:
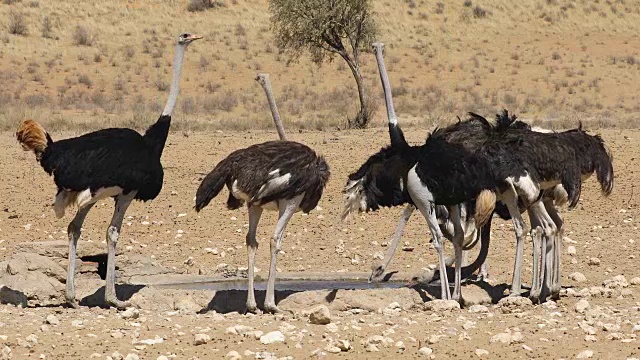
{"x":17,"y":23}
{"x":202,"y":5}
{"x":82,"y":35}
{"x":47,"y":28}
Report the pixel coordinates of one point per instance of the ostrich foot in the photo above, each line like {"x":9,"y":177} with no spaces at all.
{"x":72,"y":303}
{"x":120,"y":305}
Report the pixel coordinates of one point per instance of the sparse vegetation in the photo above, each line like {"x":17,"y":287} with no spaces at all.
{"x":202,"y":5}
{"x":17,"y":23}
{"x":83,"y":36}
{"x":47,"y":28}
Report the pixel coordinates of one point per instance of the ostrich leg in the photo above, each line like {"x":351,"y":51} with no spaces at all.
{"x":378,"y":271}
{"x":554,"y":285}
{"x":73,"y":230}
{"x":458,"y":238}
{"x":510,"y":198}
{"x":286,"y":208}
{"x":113,"y":233}
{"x":252,"y":245}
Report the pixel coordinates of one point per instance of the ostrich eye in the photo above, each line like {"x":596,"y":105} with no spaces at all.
{"x":185,"y":35}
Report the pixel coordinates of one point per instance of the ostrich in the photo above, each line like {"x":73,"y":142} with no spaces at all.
{"x":435,"y":173}
{"x":117,"y":162}
{"x":275,"y":175}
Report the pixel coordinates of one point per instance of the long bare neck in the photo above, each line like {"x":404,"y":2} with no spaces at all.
{"x":263,"y":79}
{"x":175,"y":81}
{"x":386,"y":87}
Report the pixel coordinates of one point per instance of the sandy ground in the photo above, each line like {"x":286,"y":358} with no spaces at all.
{"x":169,"y":230}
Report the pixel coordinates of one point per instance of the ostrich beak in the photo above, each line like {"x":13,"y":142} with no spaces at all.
{"x":194,"y":37}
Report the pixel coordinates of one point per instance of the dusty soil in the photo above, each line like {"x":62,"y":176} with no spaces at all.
{"x":170,"y":232}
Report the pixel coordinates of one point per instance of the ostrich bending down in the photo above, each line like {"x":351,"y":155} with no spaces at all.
{"x":276,"y":175}
{"x":437,"y":172}
{"x":116,"y":162}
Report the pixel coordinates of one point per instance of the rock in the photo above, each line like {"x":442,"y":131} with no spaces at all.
{"x":332,"y":349}
{"x":31,"y":341}
{"x":478,"y":309}
{"x":201,"y":339}
{"x":13,"y":297}
{"x":233,"y":355}
{"x":320,"y":315}
{"x":516,"y":338}
{"x":594,"y":261}
{"x":6,"y":353}
{"x":581,"y":306}
{"x":425,"y":351}
{"x":368,"y":299}
{"x":439,"y":305}
{"x":481,"y":352}
{"x":372,"y":348}
{"x":116,"y":356}
{"x":635,"y":281}
{"x":272,"y":337}
{"x":577,"y":277}
{"x":130,"y":313}
{"x":475,"y":295}
{"x":60,"y":249}
{"x":586,"y":354}
{"x":52,"y":320}
{"x":571,"y":250}
{"x":590,"y":338}
{"x":38,"y":279}
{"x":162,"y":357}
{"x":238,"y":330}
{"x":513,"y":304}
{"x":616,"y":282}
{"x":132,"y":356}
{"x":504,"y":338}
{"x":186,"y":305}
{"x":156,"y":340}
{"x":343,"y":345}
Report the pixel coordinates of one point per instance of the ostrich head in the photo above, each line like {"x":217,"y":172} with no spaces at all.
{"x":262,"y":79}
{"x":186,"y":38}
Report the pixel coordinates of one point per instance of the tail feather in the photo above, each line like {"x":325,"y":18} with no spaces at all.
{"x":604,"y":167}
{"x":485,"y":204}
{"x":33,"y":137}
{"x":212,"y":184}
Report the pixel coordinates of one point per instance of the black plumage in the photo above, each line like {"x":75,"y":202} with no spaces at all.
{"x":110,"y":157}
{"x":253,"y":167}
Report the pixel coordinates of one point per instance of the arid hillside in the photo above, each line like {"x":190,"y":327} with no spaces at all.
{"x":108,"y":63}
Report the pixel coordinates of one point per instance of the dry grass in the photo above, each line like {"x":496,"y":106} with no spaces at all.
{"x":108,"y":63}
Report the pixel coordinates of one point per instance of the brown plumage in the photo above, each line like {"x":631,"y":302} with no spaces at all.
{"x":32,"y":137}
{"x":485,"y":203}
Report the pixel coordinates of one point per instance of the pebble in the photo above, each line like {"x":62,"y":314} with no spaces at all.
{"x":162,"y":357}
{"x":635,"y":281}
{"x":332,"y":349}
{"x":586,"y":354}
{"x":132,"y":356}
{"x":481,"y":352}
{"x":593,"y":261}
{"x":372,"y":348}
{"x":439,"y":305}
{"x":581,"y":306}
{"x":571,"y":250}
{"x":234,"y":355}
{"x":577,"y":277}
{"x":201,"y":339}
{"x":616,"y":282}
{"x":320,"y":315}
{"x":478,"y":309}
{"x":513,"y":304}
{"x":6,"y":353}
{"x":343,"y":345}
{"x":130,"y":313}
{"x":272,"y":337}
{"x":425,"y":351}
{"x":52,"y":320}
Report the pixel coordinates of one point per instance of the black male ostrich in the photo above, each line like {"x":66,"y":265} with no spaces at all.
{"x":437,"y":172}
{"x":116,"y":162}
{"x":276,"y":175}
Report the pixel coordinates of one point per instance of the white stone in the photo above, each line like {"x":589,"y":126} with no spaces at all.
{"x":571,"y":250}
{"x":132,"y":356}
{"x":201,"y":339}
{"x":504,"y":338}
{"x":586,"y":354}
{"x":478,"y":309}
{"x":425,"y":351}
{"x":577,"y":277}
{"x":343,"y":345}
{"x":52,"y":320}
{"x":581,"y":306}
{"x":635,"y":281}
{"x":320,"y":315}
{"x":593,"y":261}
{"x":616,"y":282}
{"x":130,"y":313}
{"x":439,"y":305}
{"x":162,"y":357}
{"x":233,"y":355}
{"x":272,"y":337}
{"x":481,"y":352}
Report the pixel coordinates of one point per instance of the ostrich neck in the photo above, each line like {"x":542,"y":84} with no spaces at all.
{"x":175,"y":81}
{"x":274,"y":109}
{"x":156,"y":134}
{"x":386,"y":87}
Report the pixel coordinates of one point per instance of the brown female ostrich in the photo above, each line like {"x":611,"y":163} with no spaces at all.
{"x":275,"y":175}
